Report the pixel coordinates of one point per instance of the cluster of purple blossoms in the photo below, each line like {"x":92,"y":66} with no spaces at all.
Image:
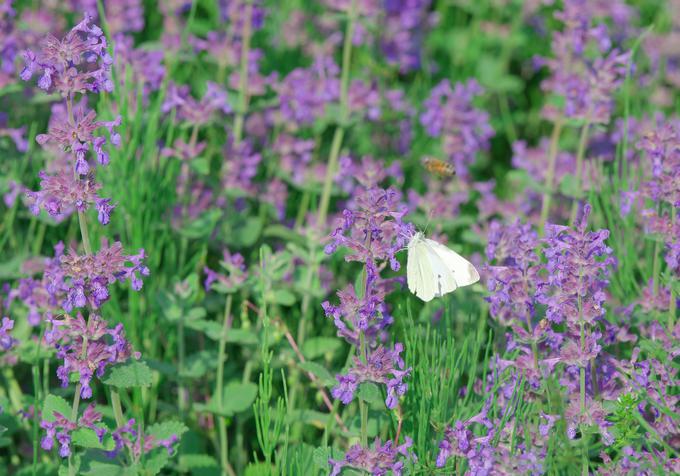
{"x":306,"y":92}
{"x":40,"y":296}
{"x":6,"y":340}
{"x":380,"y":460}
{"x":122,"y":16}
{"x":382,"y":366}
{"x":78,"y":63}
{"x":195,"y":112}
{"x":87,"y":348}
{"x":59,"y":428}
{"x":533,"y":160}
{"x":145,"y":66}
{"x":405,"y":25}
{"x":586,"y":84}
{"x":373,"y":231}
{"x":129,"y":437}
{"x":235,"y":266}
{"x":10,"y":43}
{"x":240,"y":170}
{"x":662,"y":151}
{"x":85,"y":278}
{"x":578,"y":265}
{"x":459,"y":440}
{"x":465,"y":129}
{"x":15,"y":134}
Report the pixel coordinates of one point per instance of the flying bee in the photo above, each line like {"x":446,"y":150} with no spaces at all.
{"x":439,"y":167}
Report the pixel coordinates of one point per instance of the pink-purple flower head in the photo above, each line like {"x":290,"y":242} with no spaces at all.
{"x":382,"y":366}
{"x":380,"y":460}
{"x":87,"y":348}
{"x":60,"y":194}
{"x":78,"y":63}
{"x":59,"y":428}
{"x":235,"y":266}
{"x":87,"y":277}
{"x":374,"y":231}
{"x":127,"y":436}
{"x":6,"y":340}
{"x":194,"y":112}
{"x":578,"y":265}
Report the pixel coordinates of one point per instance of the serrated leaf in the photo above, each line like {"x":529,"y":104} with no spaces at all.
{"x":163,"y":431}
{"x":319,"y":371}
{"x":87,"y":438}
{"x":134,"y":373}
{"x":318,"y":346}
{"x":53,"y":404}
{"x":156,"y":461}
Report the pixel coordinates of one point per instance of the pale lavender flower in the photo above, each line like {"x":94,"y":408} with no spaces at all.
{"x":235,"y":267}
{"x":382,"y":366}
{"x":380,"y":460}
{"x":6,"y":340}
{"x":58,"y":427}
{"x":459,"y":440}
{"x":195,"y":112}
{"x":78,"y":63}
{"x":127,"y":437}
{"x":87,"y":348}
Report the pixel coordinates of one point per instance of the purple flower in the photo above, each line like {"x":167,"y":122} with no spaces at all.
{"x":78,"y":63}
{"x":578,"y":265}
{"x":378,"y":461}
{"x":128,"y":437}
{"x":195,"y":112}
{"x":87,"y":277}
{"x":58,"y":427}
{"x":382,"y":366}
{"x":6,"y":340}
{"x":87,"y":348}
{"x":234,"y":265}
{"x":450,"y":114}
{"x":459,"y":440}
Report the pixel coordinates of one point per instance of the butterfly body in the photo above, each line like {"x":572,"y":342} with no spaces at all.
{"x":433,"y":269}
{"x":439,"y":167}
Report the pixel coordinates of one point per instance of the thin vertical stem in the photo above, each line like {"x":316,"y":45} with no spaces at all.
{"x":580,"y":155}
{"x":363,"y":408}
{"x":219,"y":390}
{"x":243,"y":73}
{"x":550,"y":176}
{"x":344,"y":113}
{"x":672,"y":304}
{"x":582,"y":385}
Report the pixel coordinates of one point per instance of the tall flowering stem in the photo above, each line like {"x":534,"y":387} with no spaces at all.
{"x":550,"y":176}
{"x":243,"y":73}
{"x":344,"y":115}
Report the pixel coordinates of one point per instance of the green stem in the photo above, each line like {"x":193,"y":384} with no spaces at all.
{"x":580,"y":155}
{"x":219,"y":390}
{"x":363,"y":408}
{"x":550,"y":176}
{"x":36,"y":399}
{"x":117,"y":408}
{"x":243,"y":74}
{"x":582,"y":385}
{"x":344,"y":114}
{"x":672,"y":304}
{"x":181,"y":390}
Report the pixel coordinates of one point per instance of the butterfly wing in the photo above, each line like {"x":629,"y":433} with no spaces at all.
{"x":427,"y":275}
{"x":463,"y":271}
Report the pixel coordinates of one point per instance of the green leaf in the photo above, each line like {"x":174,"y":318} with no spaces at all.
{"x":198,"y":364}
{"x":238,"y":397}
{"x":283,"y":297}
{"x":211,"y":329}
{"x":284,"y":233}
{"x":371,"y":394}
{"x":87,"y":438}
{"x":156,"y":461}
{"x":203,"y":226}
{"x":134,"y":373}
{"x":241,"y":336}
{"x":259,"y":469}
{"x":197,"y":461}
{"x":242,"y":232}
{"x":11,"y":268}
{"x":319,"y":371}
{"x":163,"y":431}
{"x":570,"y":186}
{"x":318,"y":346}
{"x":321,"y":456}
{"x":53,"y":404}
{"x":200,"y":165}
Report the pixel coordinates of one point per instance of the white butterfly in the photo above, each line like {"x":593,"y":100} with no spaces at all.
{"x":434,"y":270}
